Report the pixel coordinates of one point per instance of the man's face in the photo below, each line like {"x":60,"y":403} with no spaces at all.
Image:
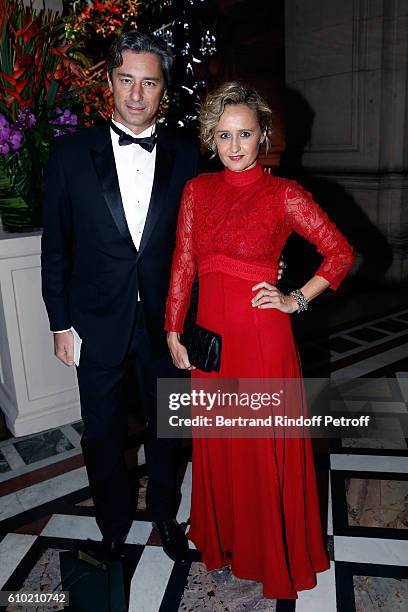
{"x":138,"y":86}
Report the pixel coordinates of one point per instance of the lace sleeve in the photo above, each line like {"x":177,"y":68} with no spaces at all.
{"x":184,"y":265}
{"x":307,"y":219}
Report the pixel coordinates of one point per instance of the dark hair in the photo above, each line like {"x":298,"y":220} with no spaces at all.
{"x":139,"y":43}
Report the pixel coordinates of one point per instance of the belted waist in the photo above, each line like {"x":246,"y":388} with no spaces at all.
{"x":237,"y":267}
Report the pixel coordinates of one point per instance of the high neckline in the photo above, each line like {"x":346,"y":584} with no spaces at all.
{"x":246,"y":177}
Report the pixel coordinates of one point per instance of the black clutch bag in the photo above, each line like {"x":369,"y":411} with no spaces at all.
{"x":203,"y":347}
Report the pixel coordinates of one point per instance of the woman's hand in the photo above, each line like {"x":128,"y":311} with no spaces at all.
{"x":269,"y":296}
{"x":282,"y":265}
{"x":178,"y":352}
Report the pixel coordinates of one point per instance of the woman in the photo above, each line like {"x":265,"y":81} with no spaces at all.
{"x":254,"y":501}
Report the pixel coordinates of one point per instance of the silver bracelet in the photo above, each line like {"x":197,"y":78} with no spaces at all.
{"x":302,"y":302}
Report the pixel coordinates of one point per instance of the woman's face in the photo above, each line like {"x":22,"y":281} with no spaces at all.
{"x":237,"y":137}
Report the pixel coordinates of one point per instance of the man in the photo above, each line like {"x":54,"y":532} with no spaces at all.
{"x":110,"y":213}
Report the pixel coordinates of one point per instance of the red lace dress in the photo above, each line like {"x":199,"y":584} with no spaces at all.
{"x":254,"y":501}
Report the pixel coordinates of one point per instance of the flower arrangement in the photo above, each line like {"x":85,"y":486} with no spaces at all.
{"x":53,"y":78}
{"x":94,"y":95}
{"x":105,"y":18}
{"x":37,"y":104}
{"x":92,"y":28}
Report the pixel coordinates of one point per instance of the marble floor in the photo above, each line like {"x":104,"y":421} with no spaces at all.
{"x":46,"y":506}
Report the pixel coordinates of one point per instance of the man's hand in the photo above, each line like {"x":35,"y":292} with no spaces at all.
{"x":64,"y":347}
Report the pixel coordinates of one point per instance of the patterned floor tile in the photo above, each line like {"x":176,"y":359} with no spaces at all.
{"x":34,"y":528}
{"x":390,"y":325}
{"x":342,"y":345}
{"x":402,"y":378}
{"x":385,"y":433}
{"x":367,"y":503}
{"x":42,"y":446}
{"x":367,"y":335}
{"x":377,"y":503}
{"x":13,"y":549}
{"x":221,"y":591}
{"x":371,"y":586}
{"x":45,"y":576}
{"x":79,"y":427}
{"x":4,"y":466}
{"x":367,"y":388}
{"x":379,"y":594}
{"x":86,"y":503}
{"x":20,"y":480}
{"x":141,"y":502}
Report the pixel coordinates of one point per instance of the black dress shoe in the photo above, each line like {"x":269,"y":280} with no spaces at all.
{"x":113,"y":548}
{"x":110,"y":549}
{"x":173,"y":539}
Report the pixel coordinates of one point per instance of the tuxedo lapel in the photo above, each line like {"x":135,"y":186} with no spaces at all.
{"x":162,"y":174}
{"x":104,"y":162}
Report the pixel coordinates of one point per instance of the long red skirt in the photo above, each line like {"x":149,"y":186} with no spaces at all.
{"x":254,"y":501}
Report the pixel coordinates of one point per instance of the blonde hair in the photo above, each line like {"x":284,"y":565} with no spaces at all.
{"x":231,"y":93}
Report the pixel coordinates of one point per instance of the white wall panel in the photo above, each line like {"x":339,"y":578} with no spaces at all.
{"x":36,"y":391}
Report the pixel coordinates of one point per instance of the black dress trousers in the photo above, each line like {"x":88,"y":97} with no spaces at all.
{"x":104,"y":408}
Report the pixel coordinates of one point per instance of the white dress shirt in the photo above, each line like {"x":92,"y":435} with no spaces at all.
{"x":135,"y":167}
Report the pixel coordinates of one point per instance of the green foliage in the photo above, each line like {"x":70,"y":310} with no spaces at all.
{"x":35,"y":77}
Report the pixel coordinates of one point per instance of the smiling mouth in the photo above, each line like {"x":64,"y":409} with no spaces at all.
{"x":235,"y":157}
{"x":135,"y":108}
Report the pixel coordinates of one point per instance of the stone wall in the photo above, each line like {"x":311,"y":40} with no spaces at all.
{"x":347,"y":69}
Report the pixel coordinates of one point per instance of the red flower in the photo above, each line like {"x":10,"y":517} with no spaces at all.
{"x":30,"y":30}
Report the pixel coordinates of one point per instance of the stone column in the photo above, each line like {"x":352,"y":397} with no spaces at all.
{"x":347,"y":63}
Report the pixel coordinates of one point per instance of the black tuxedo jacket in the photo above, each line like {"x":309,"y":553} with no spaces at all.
{"x":91,"y":270}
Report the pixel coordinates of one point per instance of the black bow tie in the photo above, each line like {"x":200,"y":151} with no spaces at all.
{"x":147,"y":143}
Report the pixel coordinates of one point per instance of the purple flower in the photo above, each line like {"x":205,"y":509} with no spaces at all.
{"x":3,"y":121}
{"x":10,"y":136}
{"x":66,"y":119}
{"x":26,"y":119}
{"x":4,"y":132}
{"x":16,"y":138}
